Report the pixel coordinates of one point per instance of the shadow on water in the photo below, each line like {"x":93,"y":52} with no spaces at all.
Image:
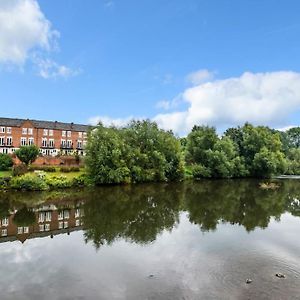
{"x":140,"y":213}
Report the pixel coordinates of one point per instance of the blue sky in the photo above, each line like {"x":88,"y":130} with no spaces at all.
{"x":116,"y":59}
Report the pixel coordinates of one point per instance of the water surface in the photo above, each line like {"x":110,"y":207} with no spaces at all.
{"x":178,"y":241}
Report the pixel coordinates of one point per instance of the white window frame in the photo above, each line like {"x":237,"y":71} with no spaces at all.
{"x":4,"y":232}
{"x":31,"y":141}
{"x":23,"y":141}
{"x":63,"y":133}
{"x":50,"y":132}
{"x":30,"y":131}
{"x":5,"y":222}
{"x":9,"y":141}
{"x":8,"y":130}
{"x":24,"y":130}
{"x":45,"y":132}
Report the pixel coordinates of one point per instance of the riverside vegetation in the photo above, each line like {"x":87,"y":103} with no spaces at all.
{"x":142,"y":152}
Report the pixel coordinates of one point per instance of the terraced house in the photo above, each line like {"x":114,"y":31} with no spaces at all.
{"x":52,"y":137}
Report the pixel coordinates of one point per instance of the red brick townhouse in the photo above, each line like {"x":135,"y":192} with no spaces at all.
{"x":53,"y":138}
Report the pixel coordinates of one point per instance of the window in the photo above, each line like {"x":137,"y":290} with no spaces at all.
{"x":41,"y":227}
{"x":47,"y":227}
{"x":79,"y":144}
{"x":26,"y":229}
{"x":50,"y":132}
{"x":9,"y":141}
{"x":8,"y":130}
{"x":66,"y":224}
{"x":23,"y":141}
{"x":41,"y":217}
{"x":30,"y":141}
{"x":84,"y":134}
{"x":51,"y":143}
{"x":63,"y":143}
{"x":44,"y":142}
{"x":4,"y":232}
{"x":2,"y":129}
{"x":60,"y":225}
{"x":66,"y":214}
{"x":48,"y":216}
{"x":63,"y":133}
{"x":30,"y":131}
{"x":60,"y":215}
{"x":2,"y":140}
{"x":77,"y":213}
{"x":69,"y":133}
{"x":77,"y":222}
{"x":69,"y":143}
{"x":5,"y":222}
{"x":24,"y":130}
{"x":45,"y":132}
{"x":20,"y":230}
{"x":80,"y":135}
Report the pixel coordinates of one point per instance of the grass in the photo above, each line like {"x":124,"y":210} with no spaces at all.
{"x":5,"y":173}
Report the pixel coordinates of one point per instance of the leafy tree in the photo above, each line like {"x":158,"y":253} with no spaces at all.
{"x":24,"y":217}
{"x":293,"y":136}
{"x":201,"y":139}
{"x":107,"y":155}
{"x":5,"y":162}
{"x":27,"y":154}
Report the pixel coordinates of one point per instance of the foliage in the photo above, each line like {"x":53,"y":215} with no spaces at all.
{"x":19,"y":170}
{"x":65,"y":169}
{"x":59,"y":182}
{"x":28,"y":182}
{"x":24,"y":217}
{"x":139,"y":152}
{"x":50,"y":169}
{"x":27,"y":154}
{"x":293,"y":136}
{"x":6,"y":162}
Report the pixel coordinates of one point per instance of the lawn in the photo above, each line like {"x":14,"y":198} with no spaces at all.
{"x":5,"y":173}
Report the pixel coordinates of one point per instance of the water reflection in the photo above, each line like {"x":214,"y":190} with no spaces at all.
{"x":140,"y":213}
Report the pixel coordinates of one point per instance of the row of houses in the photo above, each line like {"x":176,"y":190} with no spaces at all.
{"x":52,"y":137}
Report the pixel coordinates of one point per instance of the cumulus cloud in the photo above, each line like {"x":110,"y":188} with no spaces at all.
{"x":260,"y":98}
{"x":108,"y":121}
{"x":48,"y":68}
{"x":25,"y":34}
{"x":167,"y":105}
{"x":199,"y":77}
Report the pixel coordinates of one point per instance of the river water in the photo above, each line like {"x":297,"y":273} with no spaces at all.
{"x":189,"y":240}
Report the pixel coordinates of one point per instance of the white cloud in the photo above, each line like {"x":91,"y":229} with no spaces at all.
{"x":107,"y":121}
{"x":199,"y":77}
{"x":167,"y":105}
{"x":48,"y":68}
{"x":23,"y":27}
{"x":27,"y":35}
{"x":260,"y":98}
{"x":286,"y":128}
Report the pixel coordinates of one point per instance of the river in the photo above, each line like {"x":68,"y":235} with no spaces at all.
{"x":192,"y":240}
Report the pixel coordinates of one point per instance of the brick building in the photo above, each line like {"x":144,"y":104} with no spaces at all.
{"x":53,"y":138}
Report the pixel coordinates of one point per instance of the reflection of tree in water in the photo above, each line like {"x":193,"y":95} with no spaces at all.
{"x":136,"y":213}
{"x":237,"y":202}
{"x":139,"y":213}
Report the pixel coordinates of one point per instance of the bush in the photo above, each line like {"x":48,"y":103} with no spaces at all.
{"x":27,"y":154}
{"x":81,"y":180}
{"x":19,"y":170}
{"x":200,"y":171}
{"x":29,"y":182}
{"x":4,"y":182}
{"x":75,"y":169}
{"x":58,"y":182}
{"x":49,"y":169}
{"x":5,"y":162}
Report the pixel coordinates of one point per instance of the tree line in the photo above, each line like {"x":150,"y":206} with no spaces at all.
{"x":142,"y":152}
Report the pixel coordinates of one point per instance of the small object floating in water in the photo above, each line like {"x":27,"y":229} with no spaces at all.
{"x":279,"y":275}
{"x":151,"y":276}
{"x":248,"y":281}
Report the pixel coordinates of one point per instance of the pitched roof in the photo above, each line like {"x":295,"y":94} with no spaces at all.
{"x":44,"y":124}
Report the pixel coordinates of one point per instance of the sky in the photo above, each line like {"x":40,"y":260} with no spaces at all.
{"x":207,"y":62}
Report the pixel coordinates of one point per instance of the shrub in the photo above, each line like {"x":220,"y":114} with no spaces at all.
{"x":19,"y":170}
{"x":49,"y":169}
{"x":24,"y":217}
{"x":5,"y":162}
{"x":29,"y":182}
{"x":4,"y":182}
{"x":58,"y":182}
{"x":74,"y":169}
{"x":81,"y":180}
{"x":27,"y":154}
{"x":65,"y":169}
{"x":200,"y":171}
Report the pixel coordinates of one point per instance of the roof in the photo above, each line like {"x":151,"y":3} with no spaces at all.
{"x":10,"y":122}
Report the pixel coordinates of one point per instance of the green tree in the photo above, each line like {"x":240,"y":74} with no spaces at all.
{"x":27,"y":154}
{"x":293,"y":136}
{"x":107,"y":155}
{"x":5,"y":162}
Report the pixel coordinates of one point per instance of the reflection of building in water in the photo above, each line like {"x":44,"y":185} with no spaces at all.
{"x":50,"y":221}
